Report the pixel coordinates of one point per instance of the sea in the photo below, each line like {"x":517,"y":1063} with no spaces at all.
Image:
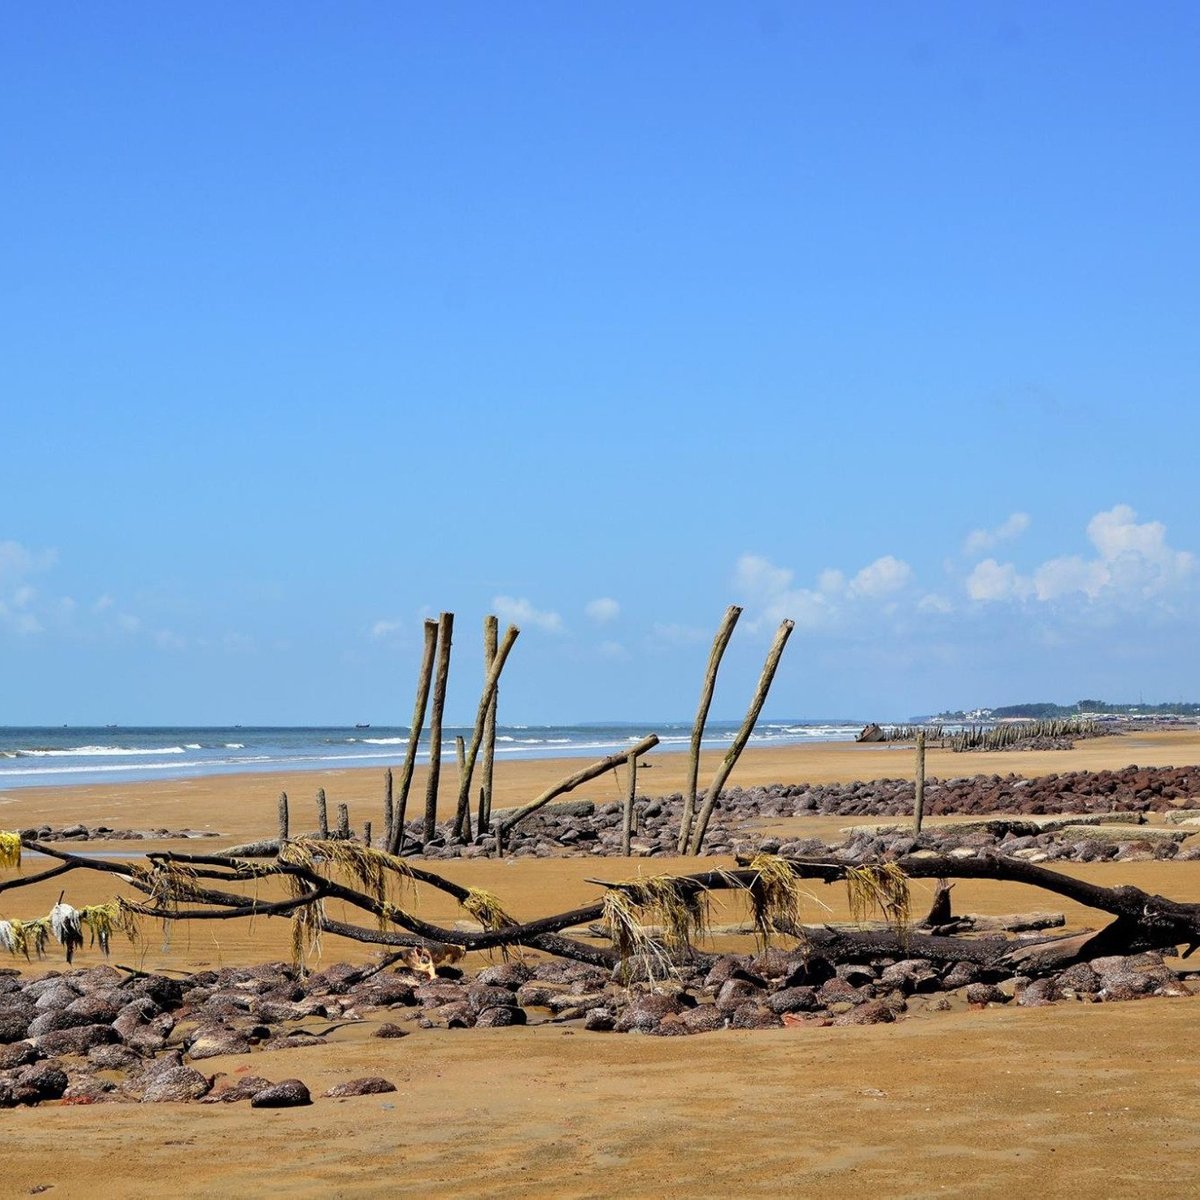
{"x":69,"y":755}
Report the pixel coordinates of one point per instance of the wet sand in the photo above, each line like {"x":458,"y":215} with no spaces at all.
{"x":1070,"y":1098}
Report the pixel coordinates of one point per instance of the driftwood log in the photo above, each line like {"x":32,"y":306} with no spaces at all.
{"x":177,"y":886}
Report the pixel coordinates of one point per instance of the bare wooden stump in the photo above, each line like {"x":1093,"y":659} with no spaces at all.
{"x":720,"y":642}
{"x":491,"y":640}
{"x":322,"y":814}
{"x":367,"y":834}
{"x":919,"y":803}
{"x":283,"y":817}
{"x":445,"y":636}
{"x":395,"y":831}
{"x":630,"y":795}
{"x":388,"y":808}
{"x":343,"y":825}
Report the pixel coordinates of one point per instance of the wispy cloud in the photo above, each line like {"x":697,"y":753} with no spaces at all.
{"x":769,"y":592}
{"x":602,"y":610}
{"x":520,"y":612}
{"x":979,"y":541}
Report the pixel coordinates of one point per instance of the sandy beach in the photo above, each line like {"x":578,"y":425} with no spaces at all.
{"x":969,"y":1102}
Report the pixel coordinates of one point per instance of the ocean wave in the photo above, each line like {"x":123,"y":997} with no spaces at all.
{"x":234,"y":746}
{"x":97,"y":751}
{"x":384,"y":741}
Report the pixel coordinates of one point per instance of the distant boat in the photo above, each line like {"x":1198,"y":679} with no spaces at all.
{"x":363,"y":725}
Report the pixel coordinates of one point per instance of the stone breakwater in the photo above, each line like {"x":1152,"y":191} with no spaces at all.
{"x":584,"y":828}
{"x":104,"y":833}
{"x":99,"y":1036}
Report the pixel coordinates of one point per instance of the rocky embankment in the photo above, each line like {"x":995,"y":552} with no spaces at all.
{"x":99,"y":1035}
{"x":584,"y":828}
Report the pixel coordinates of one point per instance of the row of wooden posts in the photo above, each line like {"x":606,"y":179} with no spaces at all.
{"x":480,"y":751}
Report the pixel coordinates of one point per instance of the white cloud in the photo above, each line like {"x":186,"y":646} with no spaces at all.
{"x":602,"y":610}
{"x":881,"y":578}
{"x":992,"y":581}
{"x":1133,"y":562}
{"x":768,"y":590}
{"x":520,"y":612}
{"x":383,"y":630}
{"x":981,"y":540}
{"x":933,"y":603}
{"x":613,"y":650}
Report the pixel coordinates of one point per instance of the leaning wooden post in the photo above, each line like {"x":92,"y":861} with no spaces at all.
{"x":395,"y":831}
{"x":462,"y":828}
{"x":322,"y":814}
{"x":445,"y":635}
{"x":743,"y":735}
{"x":388,"y":808}
{"x":462,"y":812}
{"x":513,"y":819}
{"x":491,"y":638}
{"x":706,"y":694}
{"x":919,"y":805}
{"x":343,"y":829}
{"x":630,"y":795}
{"x":283,"y":818}
{"x":367,"y":834}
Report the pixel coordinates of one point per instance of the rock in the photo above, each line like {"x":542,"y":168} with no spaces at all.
{"x":985,"y":993}
{"x":209,"y":1041}
{"x":173,"y":1085}
{"x":372,"y":1085}
{"x":15,"y":1022}
{"x":510,"y":975}
{"x":500,"y":1016}
{"x":233,"y":1091}
{"x":19,"y":1054}
{"x":754,"y":1016}
{"x":79,"y":1040}
{"x":794,"y":999}
{"x":601,"y":1020}
{"x":291,"y":1093}
{"x":388,"y":1030}
{"x":704,"y":1018}
{"x":736,"y":992}
{"x":113,"y":1058}
{"x":645,"y":1012}
{"x":873,"y":1012}
{"x":33,"y":1084}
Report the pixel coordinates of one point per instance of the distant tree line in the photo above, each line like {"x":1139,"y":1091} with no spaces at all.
{"x":1048,"y":711}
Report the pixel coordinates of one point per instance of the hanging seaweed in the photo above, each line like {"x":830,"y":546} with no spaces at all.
{"x":10,"y":849}
{"x":879,"y":888}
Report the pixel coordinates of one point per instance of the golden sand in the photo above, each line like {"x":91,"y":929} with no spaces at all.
{"x":1097,"y":1099}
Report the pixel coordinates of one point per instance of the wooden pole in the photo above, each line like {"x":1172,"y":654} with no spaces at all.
{"x":720,"y":642}
{"x":573,"y":781}
{"x":343,"y":829}
{"x":283,"y":818}
{"x":743,"y":735}
{"x":367,"y":834}
{"x":462,"y":828}
{"x":467,"y":764}
{"x":322,"y":814}
{"x":491,"y":639}
{"x":630,"y":796}
{"x":388,"y":807}
{"x":395,"y":832}
{"x":919,"y":805}
{"x":445,"y":636}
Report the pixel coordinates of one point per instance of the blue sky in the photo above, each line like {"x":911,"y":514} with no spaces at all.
{"x":317,"y":319}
